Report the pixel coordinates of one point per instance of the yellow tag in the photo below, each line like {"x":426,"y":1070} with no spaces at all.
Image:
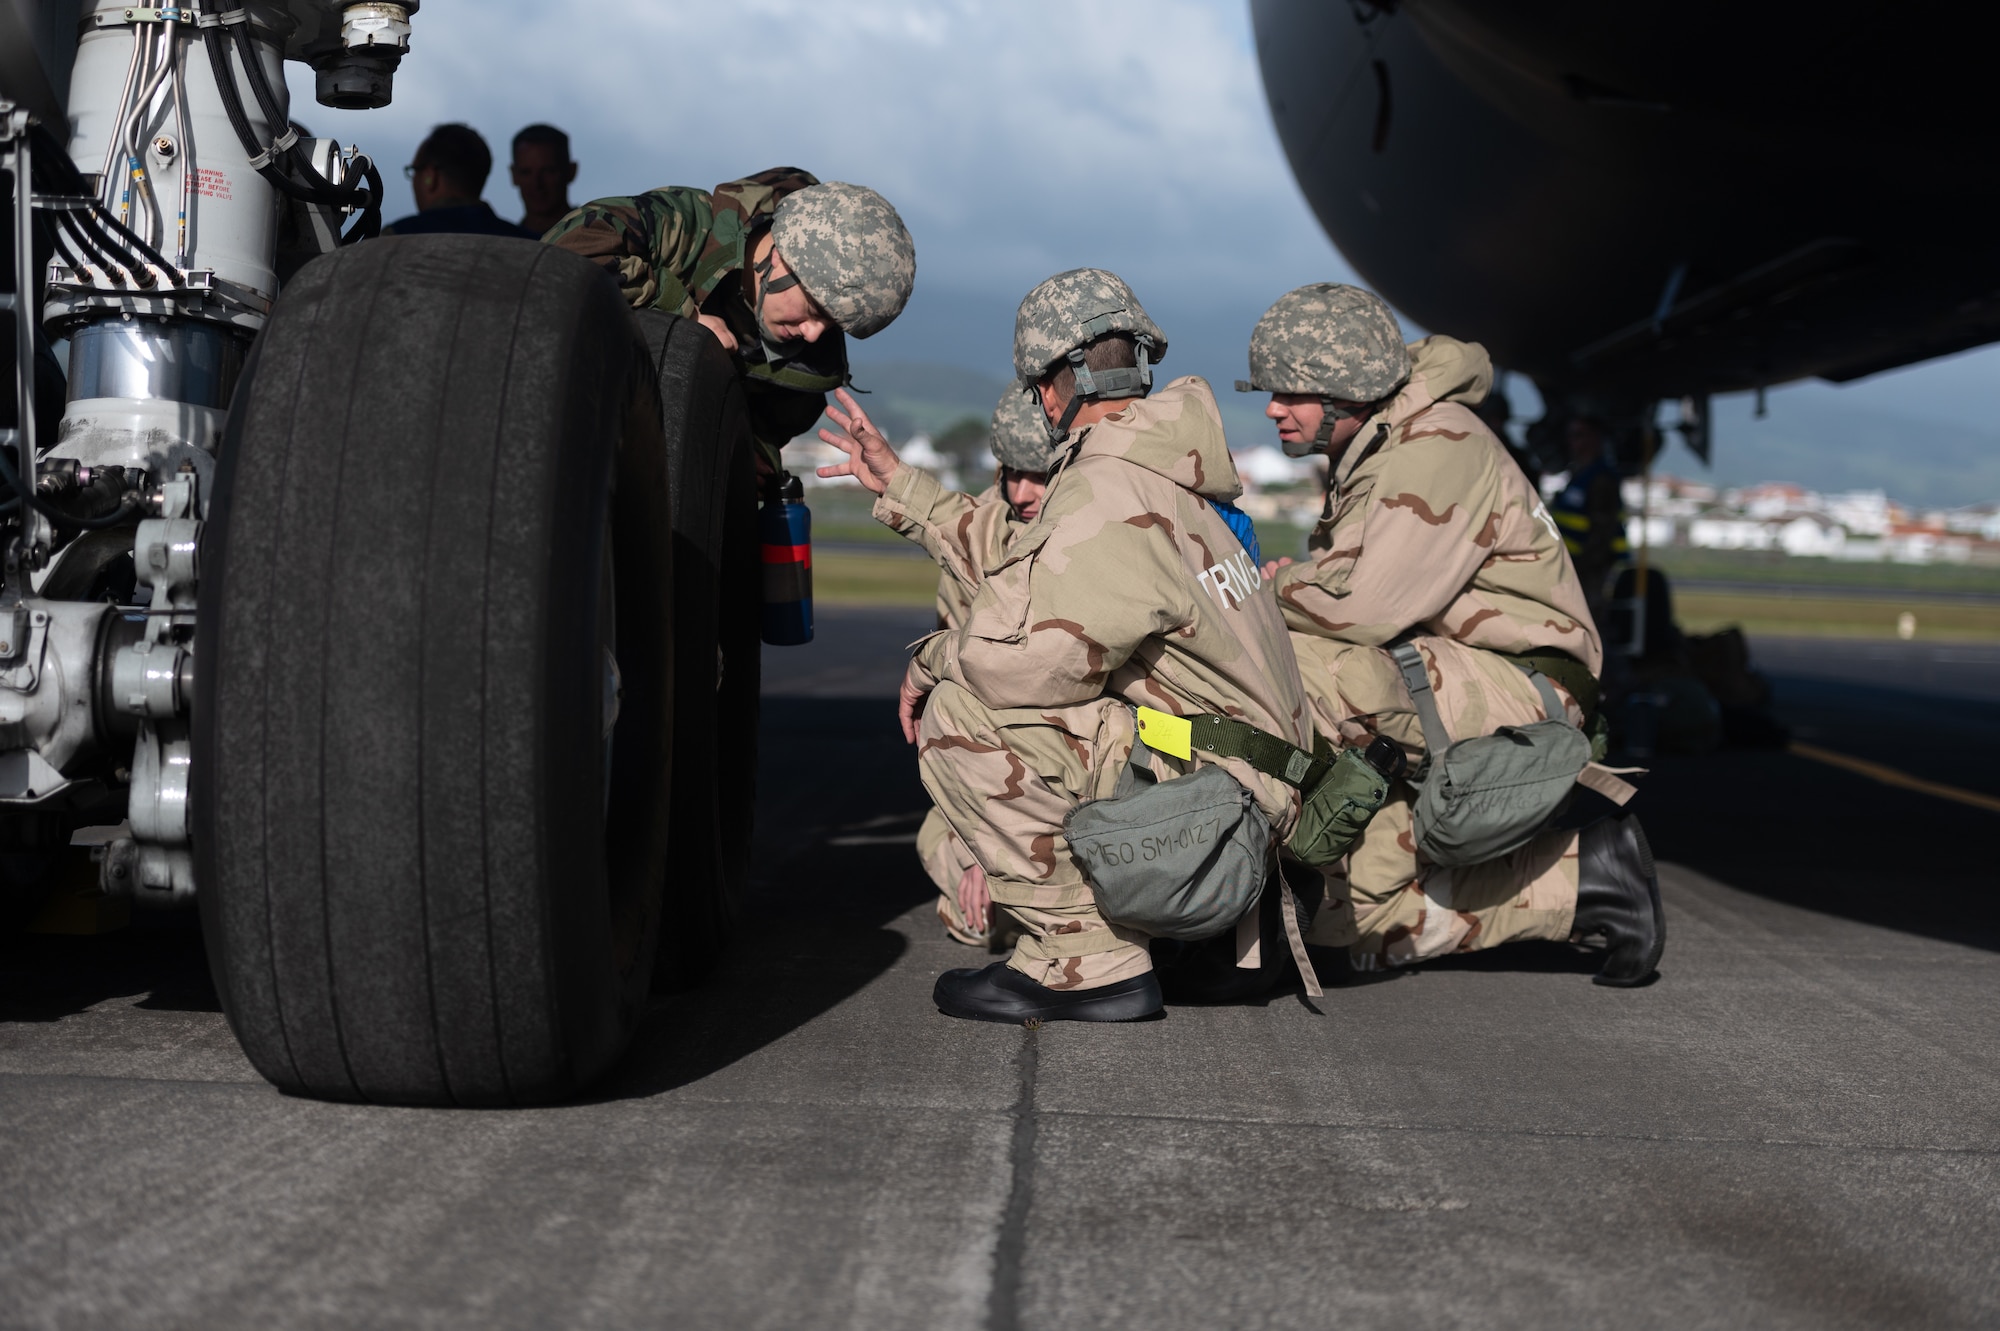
{"x":1170,"y":734}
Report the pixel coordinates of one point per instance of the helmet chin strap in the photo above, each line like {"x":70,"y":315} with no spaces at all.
{"x":1331,"y":415}
{"x":766,"y":286}
{"x":1101,"y":385}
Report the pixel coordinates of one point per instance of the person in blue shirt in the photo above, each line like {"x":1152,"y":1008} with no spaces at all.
{"x":447,"y":176}
{"x":1590,"y":511}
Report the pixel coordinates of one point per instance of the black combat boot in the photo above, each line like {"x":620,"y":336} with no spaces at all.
{"x":1618,"y":897}
{"x":1000,"y":993}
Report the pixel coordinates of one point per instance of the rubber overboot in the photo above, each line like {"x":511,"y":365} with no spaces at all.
{"x":1206,"y":972}
{"x":1000,"y":993}
{"x":1618,"y":896}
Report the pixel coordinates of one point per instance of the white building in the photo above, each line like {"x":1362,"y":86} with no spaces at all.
{"x":1862,"y":512}
{"x":1809,"y":535}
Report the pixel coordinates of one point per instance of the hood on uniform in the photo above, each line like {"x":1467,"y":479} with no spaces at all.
{"x":1021,"y":431}
{"x":1444,"y":369}
{"x":1177,"y":433}
{"x":850,"y":250}
{"x":1067,"y":313}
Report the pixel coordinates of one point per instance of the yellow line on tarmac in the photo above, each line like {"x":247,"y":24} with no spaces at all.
{"x":1889,"y":776}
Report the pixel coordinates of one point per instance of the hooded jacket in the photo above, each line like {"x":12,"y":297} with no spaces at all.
{"x":964,"y":534}
{"x":1130,"y":585}
{"x":1429,"y":525}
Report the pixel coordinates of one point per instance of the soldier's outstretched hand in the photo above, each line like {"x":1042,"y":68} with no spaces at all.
{"x":870,"y":460}
{"x":1271,"y":568}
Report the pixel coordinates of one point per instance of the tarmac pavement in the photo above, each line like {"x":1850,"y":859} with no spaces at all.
{"x":1797,"y":1126}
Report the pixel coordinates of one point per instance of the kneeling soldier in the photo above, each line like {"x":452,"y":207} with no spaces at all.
{"x":968,"y":535}
{"x":1433,"y":548}
{"x":1129,"y":588}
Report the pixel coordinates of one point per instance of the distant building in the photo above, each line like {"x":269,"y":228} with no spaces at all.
{"x":1277,"y":488}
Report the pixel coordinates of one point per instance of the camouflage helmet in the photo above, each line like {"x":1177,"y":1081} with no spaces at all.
{"x":1072,"y":310}
{"x":1021,"y":431}
{"x":1328,"y":340}
{"x":848,"y":248}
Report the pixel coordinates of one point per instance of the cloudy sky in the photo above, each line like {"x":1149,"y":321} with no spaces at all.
{"x":1017,"y":138}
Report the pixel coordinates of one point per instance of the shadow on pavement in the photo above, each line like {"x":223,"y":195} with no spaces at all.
{"x":838,"y":804}
{"x":46,"y":977}
{"x":1799,"y":832}
{"x":814,"y":933}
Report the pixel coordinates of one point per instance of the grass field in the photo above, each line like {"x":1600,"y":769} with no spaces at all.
{"x":1753,"y":566}
{"x":847,"y":577}
{"x":1861,"y":600}
{"x":1859,"y":616}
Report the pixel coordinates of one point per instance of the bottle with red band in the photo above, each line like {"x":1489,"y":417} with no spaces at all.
{"x":784,"y":532}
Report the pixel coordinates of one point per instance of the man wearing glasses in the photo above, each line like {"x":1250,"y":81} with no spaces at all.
{"x":447,"y":176}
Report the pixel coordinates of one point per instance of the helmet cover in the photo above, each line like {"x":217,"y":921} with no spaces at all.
{"x":850,"y":250}
{"x":1021,"y":431}
{"x":1072,"y":310}
{"x":1330,"y":341}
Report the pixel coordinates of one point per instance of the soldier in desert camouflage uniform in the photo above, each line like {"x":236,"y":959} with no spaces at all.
{"x":1129,"y":588}
{"x":1431,"y":535}
{"x":781,"y":268}
{"x":967,"y":535}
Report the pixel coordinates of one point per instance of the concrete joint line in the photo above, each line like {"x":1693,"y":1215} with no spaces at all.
{"x":1003,"y":1304}
{"x":1548,"y":1134}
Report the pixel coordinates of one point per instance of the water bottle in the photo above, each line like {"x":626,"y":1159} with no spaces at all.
{"x":784,"y":530}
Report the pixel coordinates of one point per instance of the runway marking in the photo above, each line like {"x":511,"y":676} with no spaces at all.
{"x":1889,"y":776}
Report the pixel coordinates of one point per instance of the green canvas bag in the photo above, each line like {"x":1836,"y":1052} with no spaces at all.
{"x":1177,"y":859}
{"x":1480,"y":798}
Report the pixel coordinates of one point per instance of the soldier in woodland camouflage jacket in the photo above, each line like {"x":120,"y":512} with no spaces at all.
{"x":695,"y":253}
{"x":1430,"y":534}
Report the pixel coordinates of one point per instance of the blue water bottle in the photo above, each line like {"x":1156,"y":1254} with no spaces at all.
{"x":784,"y":529}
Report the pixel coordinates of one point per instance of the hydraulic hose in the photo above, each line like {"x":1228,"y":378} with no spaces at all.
{"x":315,"y":188}
{"x":10,"y":477}
{"x":60,"y":176}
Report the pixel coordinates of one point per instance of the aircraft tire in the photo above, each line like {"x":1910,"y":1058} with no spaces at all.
{"x":717,"y":596}
{"x":428,"y":870}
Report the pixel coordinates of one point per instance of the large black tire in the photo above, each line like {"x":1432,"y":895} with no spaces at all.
{"x":421,"y":879}
{"x":718,"y":590}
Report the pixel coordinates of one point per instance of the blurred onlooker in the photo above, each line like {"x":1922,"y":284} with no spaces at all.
{"x":448,"y":175}
{"x":543,"y":172}
{"x":1497,"y":410}
{"x":1590,"y":510}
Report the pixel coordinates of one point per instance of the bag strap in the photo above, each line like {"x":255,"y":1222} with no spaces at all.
{"x":1279,"y":759}
{"x":1288,"y":909}
{"x":1565,"y":670}
{"x":1417,"y":678}
{"x":1609,"y":782}
{"x":1250,"y":930}
{"x":1552,"y":706}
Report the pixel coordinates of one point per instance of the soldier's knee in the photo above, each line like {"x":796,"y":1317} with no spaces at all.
{"x":950,"y":710}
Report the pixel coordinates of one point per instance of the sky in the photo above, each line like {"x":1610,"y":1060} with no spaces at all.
{"x":1017,"y":138}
